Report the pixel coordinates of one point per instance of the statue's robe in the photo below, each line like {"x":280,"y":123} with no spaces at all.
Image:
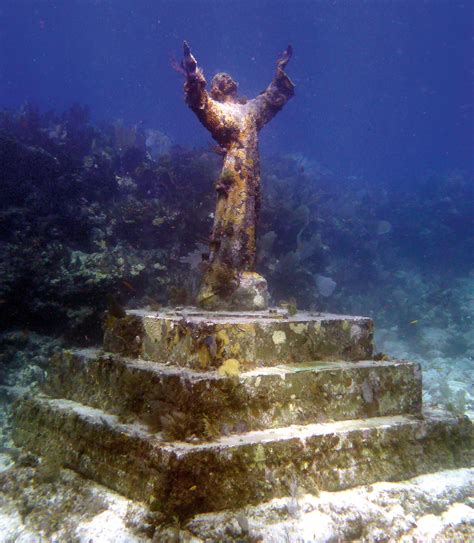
{"x":235,"y":126}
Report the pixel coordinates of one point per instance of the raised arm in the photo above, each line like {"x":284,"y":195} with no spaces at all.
{"x":195,"y":85}
{"x":281,"y":89}
{"x":197,"y":97}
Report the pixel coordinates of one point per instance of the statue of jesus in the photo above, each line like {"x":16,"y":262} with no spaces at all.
{"x":230,"y":281}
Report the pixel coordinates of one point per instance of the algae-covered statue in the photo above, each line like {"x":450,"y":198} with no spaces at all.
{"x":230,"y":280}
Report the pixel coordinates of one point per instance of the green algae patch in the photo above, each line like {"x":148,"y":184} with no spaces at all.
{"x":203,"y":340}
{"x":229,"y":368}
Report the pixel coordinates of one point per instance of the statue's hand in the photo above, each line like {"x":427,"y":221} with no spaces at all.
{"x":285,"y":58}
{"x":189,"y":63}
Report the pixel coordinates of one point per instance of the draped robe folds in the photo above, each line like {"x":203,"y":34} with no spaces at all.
{"x":230,"y":280}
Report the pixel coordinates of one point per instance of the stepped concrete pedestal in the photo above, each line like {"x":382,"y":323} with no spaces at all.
{"x":203,"y":339}
{"x":196,"y":412}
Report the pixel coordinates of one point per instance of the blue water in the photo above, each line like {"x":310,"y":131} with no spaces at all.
{"x":384,"y":88}
{"x":378,"y":197}
{"x":367,"y":173}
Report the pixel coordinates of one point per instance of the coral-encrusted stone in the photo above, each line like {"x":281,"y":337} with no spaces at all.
{"x":208,"y":404}
{"x":182,"y":479}
{"x":202,"y":340}
{"x":191,"y":411}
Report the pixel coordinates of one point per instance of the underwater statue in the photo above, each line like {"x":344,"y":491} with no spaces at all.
{"x":230,"y":280}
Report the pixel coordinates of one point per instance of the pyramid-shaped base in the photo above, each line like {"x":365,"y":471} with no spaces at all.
{"x":194,"y":412}
{"x":188,"y":404}
{"x":184,"y":479}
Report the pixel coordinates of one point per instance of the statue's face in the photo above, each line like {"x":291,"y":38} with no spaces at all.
{"x":223,"y":87}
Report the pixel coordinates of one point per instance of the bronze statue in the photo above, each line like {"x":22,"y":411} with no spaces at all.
{"x":230,"y":281}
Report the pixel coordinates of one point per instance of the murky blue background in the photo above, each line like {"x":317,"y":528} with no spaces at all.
{"x":384,"y":88}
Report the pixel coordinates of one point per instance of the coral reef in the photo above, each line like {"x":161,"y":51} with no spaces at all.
{"x":86,"y":213}
{"x":94,"y":217}
{"x":25,"y":356}
{"x":89,"y":214}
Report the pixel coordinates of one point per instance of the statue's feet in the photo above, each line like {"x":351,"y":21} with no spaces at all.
{"x":251,"y":294}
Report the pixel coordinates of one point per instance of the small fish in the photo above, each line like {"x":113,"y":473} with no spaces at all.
{"x":383,"y":227}
{"x":415,"y":322}
{"x":128,"y":285}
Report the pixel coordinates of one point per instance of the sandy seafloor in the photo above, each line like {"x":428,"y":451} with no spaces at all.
{"x":41,"y":505}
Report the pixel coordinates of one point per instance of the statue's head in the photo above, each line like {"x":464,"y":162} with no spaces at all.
{"x":223,"y":87}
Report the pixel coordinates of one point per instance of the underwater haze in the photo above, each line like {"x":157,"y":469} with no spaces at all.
{"x":107,"y":178}
{"x":384,"y":88}
{"x":108,"y":187}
